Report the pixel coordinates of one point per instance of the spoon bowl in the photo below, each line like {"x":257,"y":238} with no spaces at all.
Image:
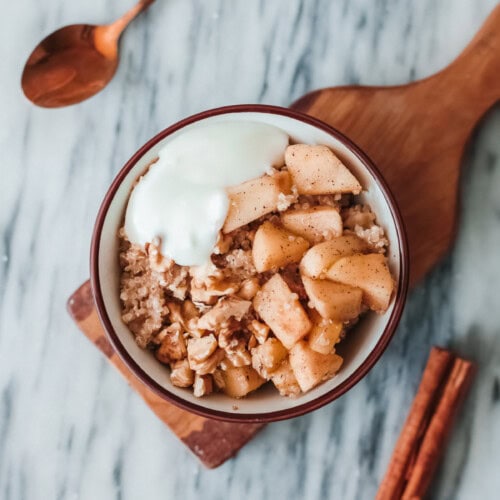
{"x":75,"y":62}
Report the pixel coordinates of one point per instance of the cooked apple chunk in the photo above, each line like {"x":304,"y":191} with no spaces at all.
{"x":274,"y":247}
{"x":255,"y":198}
{"x":281,"y":310}
{"x":335,"y":301}
{"x":310,"y":367}
{"x":324,"y":334}
{"x":285,"y":381}
{"x":318,"y":259}
{"x":268,"y":356}
{"x":368,"y":272}
{"x":314,"y":224}
{"x":239,"y":381}
{"x":317,"y":170}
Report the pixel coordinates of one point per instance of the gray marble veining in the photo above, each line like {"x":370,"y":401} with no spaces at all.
{"x":70,"y":428}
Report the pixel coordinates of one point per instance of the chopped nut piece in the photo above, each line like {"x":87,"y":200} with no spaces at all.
{"x":227,"y":337}
{"x":260,"y":330}
{"x":182,"y":375}
{"x":249,"y":288}
{"x":252,"y":342}
{"x":232,"y":307}
{"x":202,"y":385}
{"x":182,"y":313}
{"x":200,"y":349}
{"x":208,"y":365}
{"x":239,"y":356}
{"x":173,"y":345}
{"x":210,"y":294}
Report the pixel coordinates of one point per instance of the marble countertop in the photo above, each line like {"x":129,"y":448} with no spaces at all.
{"x":70,"y":428}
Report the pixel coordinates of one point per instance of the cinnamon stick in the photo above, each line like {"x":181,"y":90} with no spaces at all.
{"x":439,"y":429}
{"x":444,"y":383}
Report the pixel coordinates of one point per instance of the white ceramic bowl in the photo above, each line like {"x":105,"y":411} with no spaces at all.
{"x":361,"y":348}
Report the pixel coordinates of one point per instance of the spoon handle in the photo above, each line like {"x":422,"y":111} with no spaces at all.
{"x":106,"y":37}
{"x":121,"y":23}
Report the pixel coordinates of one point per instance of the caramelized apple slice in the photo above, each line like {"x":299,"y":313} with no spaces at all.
{"x":335,"y":301}
{"x":316,"y":170}
{"x":314,"y":224}
{"x":368,"y":272}
{"x":274,"y":247}
{"x":318,"y":259}
{"x":255,"y":198}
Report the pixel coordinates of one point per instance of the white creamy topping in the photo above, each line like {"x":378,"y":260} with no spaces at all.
{"x":182,"y":198}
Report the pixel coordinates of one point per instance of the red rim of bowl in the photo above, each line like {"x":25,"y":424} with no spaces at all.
{"x":296,"y":411}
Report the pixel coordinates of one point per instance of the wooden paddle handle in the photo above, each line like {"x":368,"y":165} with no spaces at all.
{"x":474,"y":77}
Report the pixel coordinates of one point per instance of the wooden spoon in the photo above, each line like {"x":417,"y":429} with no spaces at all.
{"x":75,"y":62}
{"x":417,"y":133}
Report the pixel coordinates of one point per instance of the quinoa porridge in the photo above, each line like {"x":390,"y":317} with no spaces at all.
{"x":296,"y":261}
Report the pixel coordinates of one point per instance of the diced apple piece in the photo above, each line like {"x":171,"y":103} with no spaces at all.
{"x":239,"y":381}
{"x":317,"y":170}
{"x":310,"y":367}
{"x":324,"y":334}
{"x":285,"y":381}
{"x":335,"y":301}
{"x":255,"y":198}
{"x":314,"y":224}
{"x":368,"y":272}
{"x":268,"y":356}
{"x":318,"y":259}
{"x":281,"y":310}
{"x":274,"y":247}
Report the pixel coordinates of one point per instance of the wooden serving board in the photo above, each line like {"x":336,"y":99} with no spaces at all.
{"x":416,"y":134}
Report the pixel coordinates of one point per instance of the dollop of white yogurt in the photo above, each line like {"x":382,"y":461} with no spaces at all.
{"x":182,"y":198}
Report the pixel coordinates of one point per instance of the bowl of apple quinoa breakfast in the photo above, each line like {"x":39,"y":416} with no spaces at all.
{"x":249,"y":263}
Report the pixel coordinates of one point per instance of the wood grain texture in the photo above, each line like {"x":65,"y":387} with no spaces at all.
{"x":212,"y":441}
{"x":417,"y":133}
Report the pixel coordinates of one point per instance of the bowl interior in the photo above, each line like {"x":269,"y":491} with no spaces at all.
{"x":359,"y":343}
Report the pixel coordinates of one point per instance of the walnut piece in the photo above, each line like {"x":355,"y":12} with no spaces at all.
{"x":181,"y":375}
{"x":249,"y":288}
{"x":208,"y":365}
{"x":202,"y":385}
{"x":238,"y":355}
{"x":200,"y":349}
{"x":173,"y":345}
{"x":219,"y":315}
{"x":260,"y":330}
